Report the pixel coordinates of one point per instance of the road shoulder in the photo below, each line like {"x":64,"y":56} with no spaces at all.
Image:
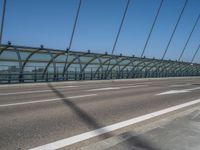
{"x":177,"y":131}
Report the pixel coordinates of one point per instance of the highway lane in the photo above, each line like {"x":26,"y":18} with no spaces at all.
{"x":44,"y":86}
{"x":39,"y":90}
{"x":30,"y":125}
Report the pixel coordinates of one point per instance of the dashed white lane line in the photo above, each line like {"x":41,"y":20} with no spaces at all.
{"x":47,"y":100}
{"x":87,"y":135}
{"x":173,"y":92}
{"x":105,"y":89}
{"x":178,"y":91}
{"x":115,"y":88}
{"x":179,"y":85}
{"x":37,"y":91}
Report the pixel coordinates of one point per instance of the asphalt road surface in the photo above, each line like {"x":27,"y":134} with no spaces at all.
{"x":34,"y":115}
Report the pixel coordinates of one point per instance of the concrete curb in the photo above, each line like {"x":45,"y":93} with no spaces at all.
{"x":96,"y":81}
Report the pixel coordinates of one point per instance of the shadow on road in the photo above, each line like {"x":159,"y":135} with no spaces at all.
{"x":136,"y":142}
{"x":82,"y":114}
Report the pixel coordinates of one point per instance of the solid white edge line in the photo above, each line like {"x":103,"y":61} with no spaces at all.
{"x":63,"y":88}
{"x":97,"y":81}
{"x":104,"y":89}
{"x":80,"y":96}
{"x":179,"y":85}
{"x":84,"y":136}
{"x":36,"y":91}
{"x":47,"y":100}
{"x":116,"y":88}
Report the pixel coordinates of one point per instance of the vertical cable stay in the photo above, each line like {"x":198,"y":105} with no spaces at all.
{"x":184,"y":48}
{"x":120,"y":27}
{"x":195,"y":54}
{"x":152,"y":27}
{"x":75,"y":23}
{"x":174,"y":30}
{"x":2,"y":20}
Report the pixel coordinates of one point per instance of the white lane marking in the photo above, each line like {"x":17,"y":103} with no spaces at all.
{"x":178,"y":91}
{"x":179,"y":85}
{"x":87,"y":135}
{"x":47,"y":100}
{"x":80,"y":96}
{"x":37,"y":91}
{"x":116,"y":88}
{"x":173,"y":92}
{"x":68,"y":86}
{"x":103,"y":89}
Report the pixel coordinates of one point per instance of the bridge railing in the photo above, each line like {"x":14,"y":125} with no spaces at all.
{"x":14,"y":77}
{"x":28,"y":64}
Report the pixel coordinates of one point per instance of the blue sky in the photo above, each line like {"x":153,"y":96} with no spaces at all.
{"x":49,"y":22}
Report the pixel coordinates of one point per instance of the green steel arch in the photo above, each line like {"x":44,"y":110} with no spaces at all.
{"x":33,"y":64}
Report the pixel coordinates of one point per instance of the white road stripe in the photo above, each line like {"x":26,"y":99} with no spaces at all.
{"x":80,"y":96}
{"x":115,"y":88}
{"x":105,"y":89}
{"x":47,"y":100}
{"x":63,"y":87}
{"x":37,"y":91}
{"x":178,"y":91}
{"x":179,"y":85}
{"x":87,"y":135}
{"x":173,"y":92}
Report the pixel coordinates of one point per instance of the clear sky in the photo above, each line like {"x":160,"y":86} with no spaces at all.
{"x":49,"y":22}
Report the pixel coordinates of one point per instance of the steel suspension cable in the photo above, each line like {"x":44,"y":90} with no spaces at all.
{"x":184,"y":48}
{"x":174,"y":30}
{"x":118,"y":33}
{"x":75,"y":23}
{"x":152,"y":27}
{"x":195,"y":54}
{"x":2,"y":20}
{"x":120,"y":27}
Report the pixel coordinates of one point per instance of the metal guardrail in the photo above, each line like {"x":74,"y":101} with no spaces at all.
{"x":29,"y":64}
{"x":72,"y":75}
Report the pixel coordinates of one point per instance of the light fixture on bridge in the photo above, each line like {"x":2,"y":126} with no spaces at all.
{"x":41,"y":46}
{"x":9,"y":43}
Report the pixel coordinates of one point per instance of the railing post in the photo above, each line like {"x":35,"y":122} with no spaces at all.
{"x":102,"y":74}
{"x":66,"y":76}
{"x":111,"y":74}
{"x":47,"y":76}
{"x":127,"y":73}
{"x":35,"y":75}
{"x":98,"y":76}
{"x":57,"y":74}
{"x":118,"y":74}
{"x":84,"y":74}
{"x":91,"y":76}
{"x":75,"y":74}
{"x":122,"y":74}
{"x":9,"y":75}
